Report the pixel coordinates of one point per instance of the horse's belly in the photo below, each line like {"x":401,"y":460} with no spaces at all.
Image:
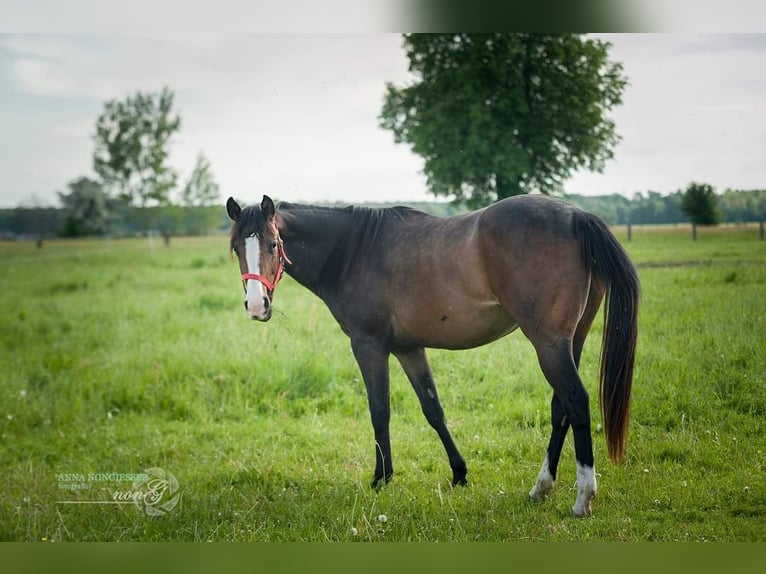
{"x":453,"y":326}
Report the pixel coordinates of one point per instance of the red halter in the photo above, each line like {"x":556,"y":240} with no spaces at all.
{"x":271,"y":287}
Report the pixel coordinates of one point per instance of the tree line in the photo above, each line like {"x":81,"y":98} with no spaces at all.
{"x":652,"y":208}
{"x":173,"y":220}
{"x":648,"y":208}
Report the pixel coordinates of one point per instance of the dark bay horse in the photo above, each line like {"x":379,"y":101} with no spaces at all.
{"x":398,"y":280}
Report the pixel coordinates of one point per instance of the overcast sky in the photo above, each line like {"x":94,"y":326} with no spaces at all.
{"x":295,"y":116}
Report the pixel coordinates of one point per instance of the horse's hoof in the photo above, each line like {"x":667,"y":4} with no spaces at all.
{"x":542,"y":489}
{"x":581,"y":507}
{"x":379,"y":482}
{"x":459,"y":478}
{"x":581,"y":511}
{"x":537,"y":496}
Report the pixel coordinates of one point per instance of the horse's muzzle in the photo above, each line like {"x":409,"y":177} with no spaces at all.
{"x":263,"y":313}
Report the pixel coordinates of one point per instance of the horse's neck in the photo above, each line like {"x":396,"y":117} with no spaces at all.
{"x":310,"y":238}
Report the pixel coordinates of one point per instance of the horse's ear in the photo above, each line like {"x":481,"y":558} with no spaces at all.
{"x":267,"y":207}
{"x":233,"y":209}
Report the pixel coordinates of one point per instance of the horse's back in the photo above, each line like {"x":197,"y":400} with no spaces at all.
{"x":529,"y":214}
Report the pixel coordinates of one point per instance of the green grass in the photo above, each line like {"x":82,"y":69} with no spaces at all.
{"x":119,"y":356}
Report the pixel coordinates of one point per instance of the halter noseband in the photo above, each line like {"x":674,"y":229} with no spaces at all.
{"x":271,"y":287}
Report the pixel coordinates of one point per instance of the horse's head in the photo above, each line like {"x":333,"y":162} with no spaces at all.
{"x":256,"y":242}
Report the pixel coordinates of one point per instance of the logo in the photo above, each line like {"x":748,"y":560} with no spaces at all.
{"x":155,"y":491}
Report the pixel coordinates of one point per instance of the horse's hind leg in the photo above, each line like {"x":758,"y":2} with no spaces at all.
{"x":415,"y":365}
{"x":546,"y":478}
{"x":558,"y":365}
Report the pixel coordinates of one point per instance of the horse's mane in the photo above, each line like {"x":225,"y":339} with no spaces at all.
{"x":363,"y":233}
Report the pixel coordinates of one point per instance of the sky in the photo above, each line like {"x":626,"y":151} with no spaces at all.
{"x":295,"y":116}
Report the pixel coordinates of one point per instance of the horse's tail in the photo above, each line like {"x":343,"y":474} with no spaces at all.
{"x":610,"y":263}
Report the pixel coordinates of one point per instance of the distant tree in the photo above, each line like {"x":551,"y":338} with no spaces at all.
{"x":198,"y":196}
{"x":496,"y":115}
{"x":743,"y":205}
{"x":700,"y":203}
{"x":168,"y":219}
{"x":86,"y":208}
{"x":132,"y":139}
{"x":201,"y":188}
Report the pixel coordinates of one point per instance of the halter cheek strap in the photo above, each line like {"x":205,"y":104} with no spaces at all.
{"x":271,"y":287}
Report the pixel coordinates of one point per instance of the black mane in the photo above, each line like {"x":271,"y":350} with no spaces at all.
{"x":362,"y":231}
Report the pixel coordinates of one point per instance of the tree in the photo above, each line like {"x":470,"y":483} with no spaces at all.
{"x":201,"y":188}
{"x":86,"y":207}
{"x":200,"y":193}
{"x":495,"y":115}
{"x":132,"y":139}
{"x":700,"y":203}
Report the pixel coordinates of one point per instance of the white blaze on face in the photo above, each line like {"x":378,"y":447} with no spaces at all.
{"x":256,"y":291}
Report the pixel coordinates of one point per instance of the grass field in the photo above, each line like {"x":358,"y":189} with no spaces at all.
{"x":122,"y":356}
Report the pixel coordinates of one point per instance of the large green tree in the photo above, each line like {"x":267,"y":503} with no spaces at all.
{"x":495,"y":115}
{"x":132,"y":147}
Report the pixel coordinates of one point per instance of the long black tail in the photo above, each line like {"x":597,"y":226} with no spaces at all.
{"x":610,"y":263}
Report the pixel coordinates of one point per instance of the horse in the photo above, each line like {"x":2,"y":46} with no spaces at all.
{"x":398,"y":281}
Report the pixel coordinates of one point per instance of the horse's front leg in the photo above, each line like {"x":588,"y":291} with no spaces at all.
{"x":415,"y":365}
{"x":372,"y":358}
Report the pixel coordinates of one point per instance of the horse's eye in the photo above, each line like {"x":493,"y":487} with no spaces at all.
{"x":272,"y":247}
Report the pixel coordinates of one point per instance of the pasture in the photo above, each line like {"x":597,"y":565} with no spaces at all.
{"x":119,"y":356}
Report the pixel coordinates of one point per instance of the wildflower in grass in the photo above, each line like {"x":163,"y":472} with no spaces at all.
{"x":9,"y":417}
{"x":354,"y":531}
{"x":23,"y":393}
{"x":382,"y":518}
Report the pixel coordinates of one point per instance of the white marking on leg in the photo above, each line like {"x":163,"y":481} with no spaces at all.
{"x":255,"y":289}
{"x":586,"y":490}
{"x":545,"y":483}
